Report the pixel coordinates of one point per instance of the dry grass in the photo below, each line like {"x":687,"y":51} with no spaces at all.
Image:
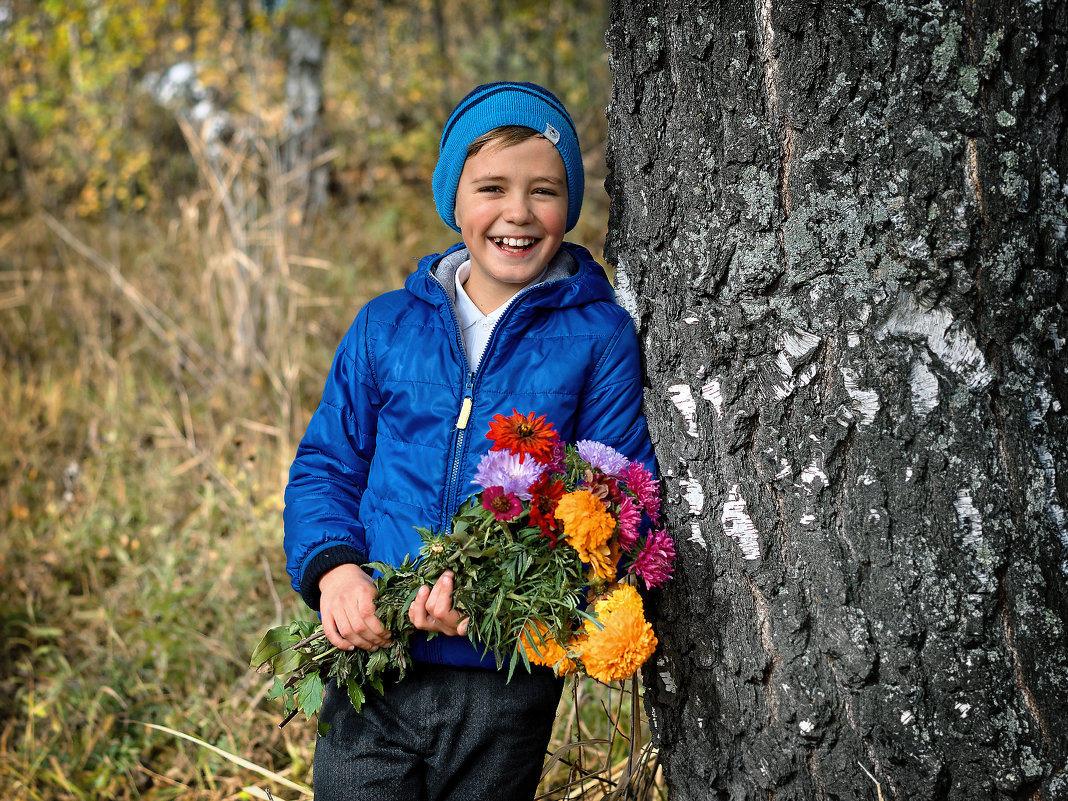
{"x":154,"y":376}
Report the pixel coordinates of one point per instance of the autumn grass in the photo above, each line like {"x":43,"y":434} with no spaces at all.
{"x":156,"y":370}
{"x":141,"y":468}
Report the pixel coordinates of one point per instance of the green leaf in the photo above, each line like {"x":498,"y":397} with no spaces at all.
{"x":278,"y":689}
{"x":386,"y":571}
{"x":274,"y":654}
{"x":310,"y":694}
{"x":378,"y":662}
{"x":356,"y":695}
{"x":376,"y":683}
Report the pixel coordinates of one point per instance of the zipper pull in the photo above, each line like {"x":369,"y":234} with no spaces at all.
{"x":465,"y":407}
{"x":465,"y":413}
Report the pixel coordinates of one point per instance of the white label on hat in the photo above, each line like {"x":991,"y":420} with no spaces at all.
{"x":551,"y":134}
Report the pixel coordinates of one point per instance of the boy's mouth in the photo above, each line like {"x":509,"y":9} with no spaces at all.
{"x":514,"y":244}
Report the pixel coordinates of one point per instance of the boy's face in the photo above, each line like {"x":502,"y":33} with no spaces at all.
{"x":511,"y":207}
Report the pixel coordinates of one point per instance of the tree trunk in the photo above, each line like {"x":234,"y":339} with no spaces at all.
{"x":840,"y":229}
{"x":303,"y":129}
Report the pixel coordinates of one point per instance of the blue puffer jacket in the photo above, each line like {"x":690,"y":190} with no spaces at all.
{"x":383,"y":454}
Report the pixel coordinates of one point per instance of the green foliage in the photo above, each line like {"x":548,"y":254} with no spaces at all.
{"x":506,"y":577}
{"x":68,"y":63}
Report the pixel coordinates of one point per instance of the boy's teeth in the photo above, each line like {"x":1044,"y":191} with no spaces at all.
{"x":514,"y":242}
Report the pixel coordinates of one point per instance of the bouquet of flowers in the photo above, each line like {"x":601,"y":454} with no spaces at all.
{"x":553,"y":525}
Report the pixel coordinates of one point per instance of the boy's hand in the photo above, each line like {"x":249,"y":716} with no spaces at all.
{"x":347,"y":607}
{"x":432,"y":608}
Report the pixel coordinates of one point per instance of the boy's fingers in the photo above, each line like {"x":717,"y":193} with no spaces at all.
{"x":439,"y":600}
{"x":373,"y":628}
{"x":357,"y":630}
{"x":333,"y":636}
{"x":417,"y":610}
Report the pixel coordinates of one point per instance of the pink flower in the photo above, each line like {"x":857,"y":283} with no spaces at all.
{"x":654,"y":563}
{"x":644,"y":487}
{"x":557,"y":463}
{"x":504,"y":505}
{"x":630,"y":517}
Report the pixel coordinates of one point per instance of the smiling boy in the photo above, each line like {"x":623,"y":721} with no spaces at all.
{"x":511,"y":318}
{"x":511,"y":207}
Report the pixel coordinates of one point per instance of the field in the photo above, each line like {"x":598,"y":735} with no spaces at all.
{"x":156,"y":371}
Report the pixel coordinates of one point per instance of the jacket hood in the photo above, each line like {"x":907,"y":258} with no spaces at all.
{"x":573,"y":278}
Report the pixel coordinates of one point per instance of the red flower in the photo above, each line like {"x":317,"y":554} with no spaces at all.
{"x":504,"y":505}
{"x":523,"y":435}
{"x":545,"y":494}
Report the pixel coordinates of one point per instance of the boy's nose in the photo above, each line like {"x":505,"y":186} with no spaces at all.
{"x":518,"y":208}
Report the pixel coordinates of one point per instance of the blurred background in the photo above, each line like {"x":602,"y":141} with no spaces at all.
{"x":196,"y":198}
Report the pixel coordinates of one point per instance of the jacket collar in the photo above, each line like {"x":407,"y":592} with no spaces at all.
{"x":573,"y":277}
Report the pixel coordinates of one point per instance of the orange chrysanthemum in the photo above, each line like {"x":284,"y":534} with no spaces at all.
{"x":523,"y":434}
{"x":625,"y":641}
{"x":587,"y":525}
{"x":588,"y":528}
{"x":552,"y":654}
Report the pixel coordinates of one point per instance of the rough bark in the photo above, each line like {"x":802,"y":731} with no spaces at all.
{"x":840,"y":229}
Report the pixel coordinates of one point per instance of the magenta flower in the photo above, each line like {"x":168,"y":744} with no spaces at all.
{"x":608,"y":460}
{"x":504,"y":505}
{"x":654,"y":564}
{"x":503,"y":469}
{"x":644,"y":487}
{"x":630,"y":516}
{"x":557,"y":463}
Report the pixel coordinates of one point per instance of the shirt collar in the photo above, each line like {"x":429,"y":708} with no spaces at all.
{"x":466,"y":310}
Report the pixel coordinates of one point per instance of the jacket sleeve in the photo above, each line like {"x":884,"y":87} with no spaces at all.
{"x":611,"y":408}
{"x":329,"y":474}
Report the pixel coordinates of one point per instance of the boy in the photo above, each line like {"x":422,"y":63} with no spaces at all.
{"x":512,"y":318}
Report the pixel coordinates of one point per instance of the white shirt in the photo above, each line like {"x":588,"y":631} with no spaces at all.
{"x":475,"y":327}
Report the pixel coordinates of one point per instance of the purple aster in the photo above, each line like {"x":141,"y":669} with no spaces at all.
{"x":608,"y":460}
{"x":654,"y":565}
{"x":503,"y":469}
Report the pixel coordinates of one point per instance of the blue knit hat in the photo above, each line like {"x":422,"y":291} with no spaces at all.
{"x":493,"y":105}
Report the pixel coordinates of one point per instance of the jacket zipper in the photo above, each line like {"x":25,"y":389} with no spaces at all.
{"x":460,"y":431}
{"x":464,"y":414}
{"x":457,"y":449}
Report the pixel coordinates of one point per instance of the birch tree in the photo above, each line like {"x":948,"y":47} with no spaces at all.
{"x":840,"y":228}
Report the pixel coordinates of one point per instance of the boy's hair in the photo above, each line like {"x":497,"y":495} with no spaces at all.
{"x":505,"y":105}
{"x":505,"y":136}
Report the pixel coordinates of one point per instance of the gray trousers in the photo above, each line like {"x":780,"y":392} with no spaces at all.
{"x":442,"y":734}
